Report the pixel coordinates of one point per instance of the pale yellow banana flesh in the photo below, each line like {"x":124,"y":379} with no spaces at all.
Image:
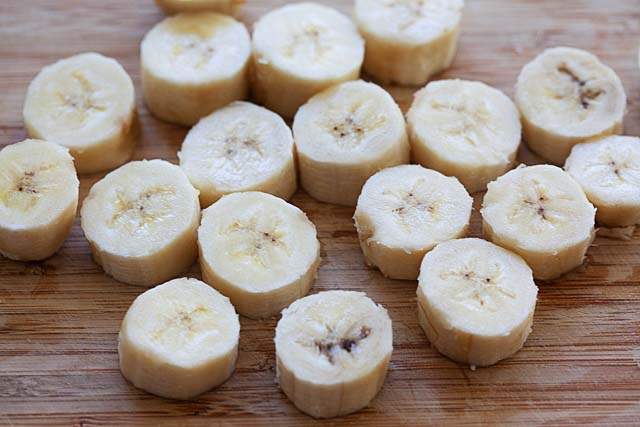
{"x":332,"y":352}
{"x":193,"y":64}
{"x":179,"y":339}
{"x":38,"y":199}
{"x":403,"y":212}
{"x":141,"y":222}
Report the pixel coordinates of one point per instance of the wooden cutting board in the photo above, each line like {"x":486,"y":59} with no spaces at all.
{"x":59,"y":318}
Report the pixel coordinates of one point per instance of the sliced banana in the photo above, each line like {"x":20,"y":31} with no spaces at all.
{"x":344,"y":135}
{"x":240,"y":147}
{"x":609,"y":172}
{"x":475,"y":301}
{"x":141,"y":222}
{"x":258,"y":250}
{"x":408,"y":41}
{"x":87,"y":103}
{"x":299,"y":50}
{"x":542,"y":214}
{"x":567,"y":96}
{"x":230,"y":7}
{"x":464,"y":129}
{"x":332,"y":352}
{"x":179,"y":339}
{"x":403,"y":212}
{"x":38,"y":199}
{"x":193,"y":64}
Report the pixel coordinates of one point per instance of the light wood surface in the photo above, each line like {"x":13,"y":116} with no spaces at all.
{"x":59,"y":318}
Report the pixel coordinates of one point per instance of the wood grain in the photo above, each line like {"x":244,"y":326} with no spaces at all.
{"x":59,"y":318}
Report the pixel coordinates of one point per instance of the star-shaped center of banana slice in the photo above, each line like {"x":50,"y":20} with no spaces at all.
{"x":257,"y":239}
{"x":310,"y":38}
{"x":408,"y":12}
{"x":478,"y":286}
{"x":330,"y":346}
{"x":23,"y":185}
{"x":183,"y":324}
{"x":80,"y":98}
{"x":580,"y":88}
{"x":194,"y":50}
{"x":136,"y":214}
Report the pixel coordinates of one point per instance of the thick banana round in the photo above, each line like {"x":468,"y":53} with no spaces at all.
{"x":229,"y":7}
{"x":193,"y":64}
{"x":179,"y":339}
{"x":567,"y":96}
{"x":475,"y":301}
{"x":344,"y":135}
{"x":299,"y":50}
{"x":332,"y":352}
{"x":609,"y":172}
{"x":38,"y":199}
{"x":258,"y":250}
{"x":403,"y":212}
{"x":464,"y":129}
{"x":408,"y":41}
{"x":542,"y":214}
{"x":141,"y":222}
{"x":87,"y":103}
{"x":240,"y":147}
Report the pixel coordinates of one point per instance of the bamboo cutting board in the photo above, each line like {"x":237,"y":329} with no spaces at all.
{"x":59,"y":318}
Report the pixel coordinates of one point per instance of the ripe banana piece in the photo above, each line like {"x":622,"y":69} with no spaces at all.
{"x":464,"y":129}
{"x":299,"y":50}
{"x":344,"y":135}
{"x":87,"y":103}
{"x":475,"y":301}
{"x":193,"y":64}
{"x":229,"y":7}
{"x":567,"y":96}
{"x":403,"y":212}
{"x":609,"y":172}
{"x":408,"y":41}
{"x":258,"y":250}
{"x":179,"y":339}
{"x":38,"y":199}
{"x":332,"y":352}
{"x":542,"y":214}
{"x":240,"y":147}
{"x":141,"y":222}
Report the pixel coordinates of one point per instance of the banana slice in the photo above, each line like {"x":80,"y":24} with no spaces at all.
{"x":258,"y":250}
{"x":403,"y":212}
{"x":86,"y":103}
{"x":609,"y":172}
{"x":240,"y":147}
{"x":542,"y":214}
{"x":408,"y":41}
{"x":193,"y":64}
{"x":344,"y":135}
{"x":332,"y":352}
{"x":38,"y":199}
{"x":179,"y":339}
{"x":567,"y":96}
{"x":299,"y":50}
{"x":230,"y":7}
{"x":464,"y":129}
{"x":141,"y":222}
{"x":475,"y":301}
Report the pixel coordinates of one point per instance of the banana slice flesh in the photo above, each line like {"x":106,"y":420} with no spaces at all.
{"x":240,"y":147}
{"x":403,"y":212}
{"x":344,"y":135}
{"x":259,"y":251}
{"x":408,"y":41}
{"x":179,"y":339}
{"x":38,"y":199}
{"x":567,"y":96}
{"x":141,"y":222}
{"x":475,"y":301}
{"x":332,"y":352}
{"x":299,"y":50}
{"x":609,"y":172}
{"x":87,"y":103}
{"x":464,"y":129}
{"x":194,"y":63}
{"x":542,"y":214}
{"x":229,"y":7}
